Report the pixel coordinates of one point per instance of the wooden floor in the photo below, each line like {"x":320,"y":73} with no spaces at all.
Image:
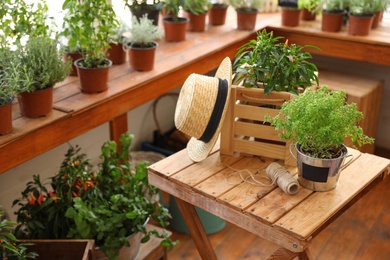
{"x":362,"y":232}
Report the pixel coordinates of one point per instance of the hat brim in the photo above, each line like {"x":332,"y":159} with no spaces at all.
{"x":199,"y":150}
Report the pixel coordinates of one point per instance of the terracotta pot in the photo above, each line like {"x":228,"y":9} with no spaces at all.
{"x":360,"y":25}
{"x":93,"y":80}
{"x":290,"y":17}
{"x":217,"y":14}
{"x":376,"y":20}
{"x":307,"y":16}
{"x":152,"y":14}
{"x":175,"y":31}
{"x":6,"y":118}
{"x":197,"y":22}
{"x":246,"y":21}
{"x":332,"y":22}
{"x":73,"y":56}
{"x":117,"y":54}
{"x":142,"y":59}
{"x":36,"y":104}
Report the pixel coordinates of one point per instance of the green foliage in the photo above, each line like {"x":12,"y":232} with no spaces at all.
{"x":117,"y":34}
{"x":311,"y":5}
{"x":107,"y":204}
{"x":10,"y":248}
{"x":197,"y":6}
{"x":87,"y":26}
{"x":173,"y":7}
{"x":246,"y":5}
{"x":37,"y":65}
{"x":333,"y":5}
{"x":138,"y":5}
{"x":6,"y":91}
{"x":320,"y":121}
{"x":21,"y":18}
{"x":364,"y":7}
{"x":267,"y":63}
{"x":144,"y":32}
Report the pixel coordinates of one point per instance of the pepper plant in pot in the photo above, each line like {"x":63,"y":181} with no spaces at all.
{"x":92,"y":22}
{"x":197,"y":11}
{"x":217,"y":12}
{"x":142,"y":45}
{"x":107,"y":202}
{"x":175,"y":25}
{"x":141,"y":7}
{"x":318,"y":122}
{"x":333,"y":12}
{"x":246,"y":13}
{"x":33,"y":70}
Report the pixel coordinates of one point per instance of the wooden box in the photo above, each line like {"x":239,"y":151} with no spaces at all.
{"x":243,"y":130}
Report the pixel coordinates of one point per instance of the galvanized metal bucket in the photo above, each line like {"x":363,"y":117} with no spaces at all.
{"x":319,"y":174}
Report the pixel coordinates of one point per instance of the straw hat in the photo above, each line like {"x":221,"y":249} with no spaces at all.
{"x":201,"y":109}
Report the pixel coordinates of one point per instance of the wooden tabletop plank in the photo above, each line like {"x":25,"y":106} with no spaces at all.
{"x":309,"y":215}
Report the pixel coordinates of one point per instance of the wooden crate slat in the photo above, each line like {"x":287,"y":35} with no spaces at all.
{"x":253,"y":112}
{"x":262,"y":149}
{"x":256,"y":130}
{"x":321,"y":206}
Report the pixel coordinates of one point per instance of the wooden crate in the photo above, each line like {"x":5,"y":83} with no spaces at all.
{"x":365,"y":92}
{"x":243,"y":130}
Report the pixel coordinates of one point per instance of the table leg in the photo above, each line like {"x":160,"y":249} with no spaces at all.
{"x":196,"y":229}
{"x":118,"y":126}
{"x":285,"y":254}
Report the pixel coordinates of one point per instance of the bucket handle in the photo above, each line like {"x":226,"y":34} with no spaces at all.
{"x":349,"y":161}
{"x":292,"y":154}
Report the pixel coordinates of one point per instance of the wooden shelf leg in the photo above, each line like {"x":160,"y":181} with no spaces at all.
{"x":196,"y":229}
{"x":285,"y":254}
{"x":118,"y":126}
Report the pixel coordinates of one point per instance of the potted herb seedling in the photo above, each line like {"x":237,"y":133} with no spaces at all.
{"x":91,"y":21}
{"x":290,"y":13}
{"x":333,"y":12}
{"x":361,"y":17}
{"x":175,"y":26}
{"x":142,"y":44}
{"x":141,"y":7}
{"x":380,"y":7}
{"x":197,"y":11}
{"x":246,"y":13}
{"x":117,"y":53}
{"x":108,"y":202}
{"x":33,"y":70}
{"x":318,"y":122}
{"x":310,"y":8}
{"x":217,"y":12}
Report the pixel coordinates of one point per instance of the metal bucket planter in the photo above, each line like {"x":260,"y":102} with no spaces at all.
{"x":319,"y":174}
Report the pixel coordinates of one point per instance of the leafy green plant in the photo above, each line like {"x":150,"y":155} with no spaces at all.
{"x":246,"y":5}
{"x":10,"y":247}
{"x":319,"y":121}
{"x":107,"y":204}
{"x":6,"y":91}
{"x":363,"y":7}
{"x":333,"y":5}
{"x":143,"y":32}
{"x":311,"y":5}
{"x":138,"y":5}
{"x":37,"y":65}
{"x":267,"y":63}
{"x":172,"y":8}
{"x":88,"y":25}
{"x":219,"y":3}
{"x":117,"y":35}
{"x":197,"y":6}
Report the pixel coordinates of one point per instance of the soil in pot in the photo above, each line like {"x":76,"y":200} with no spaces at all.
{"x":93,"y":80}
{"x":6,"y":118}
{"x":360,"y":25}
{"x":246,"y":21}
{"x":175,"y":31}
{"x":37,"y":103}
{"x":332,"y":21}
{"x":217,"y":14}
{"x":142,"y":59}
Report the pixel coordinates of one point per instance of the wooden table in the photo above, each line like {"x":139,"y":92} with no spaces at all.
{"x":290,"y":221}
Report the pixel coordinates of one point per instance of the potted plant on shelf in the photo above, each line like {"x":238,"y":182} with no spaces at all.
{"x":142,"y":44}
{"x":92,"y":22}
{"x":141,"y":7}
{"x":197,"y":11}
{"x":310,"y":8}
{"x":333,"y":12}
{"x":33,"y":70}
{"x":217,"y":12}
{"x":116,"y":52}
{"x":290,"y":13}
{"x":109,"y":202}
{"x":175,"y":26}
{"x":246,"y":13}
{"x":11,"y":248}
{"x":361,"y":16}
{"x":6,"y":98}
{"x":318,"y":122}
{"x":380,"y":7}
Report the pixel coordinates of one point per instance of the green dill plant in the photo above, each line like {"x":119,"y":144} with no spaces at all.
{"x":319,"y":121}
{"x":268,"y":63}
